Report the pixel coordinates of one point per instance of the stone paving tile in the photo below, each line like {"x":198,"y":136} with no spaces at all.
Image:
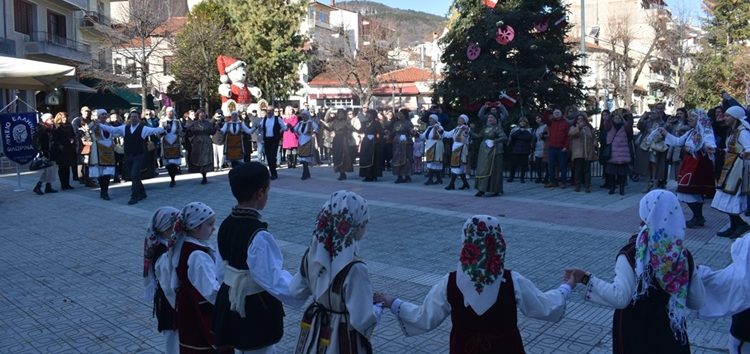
{"x":71,"y":262}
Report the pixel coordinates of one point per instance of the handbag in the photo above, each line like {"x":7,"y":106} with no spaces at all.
{"x":605,"y":152}
{"x":39,"y":163}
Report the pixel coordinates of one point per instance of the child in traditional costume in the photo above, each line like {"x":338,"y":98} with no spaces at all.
{"x":655,"y":282}
{"x":728,"y":294}
{"x":249,"y":314}
{"x":194,"y":279}
{"x":306,"y":130}
{"x":481,"y":297}
{"x":433,"y":150}
{"x":342,"y":317}
{"x":156,"y":280}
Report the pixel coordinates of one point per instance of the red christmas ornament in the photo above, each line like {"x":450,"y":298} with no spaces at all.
{"x":473,"y":51}
{"x":491,"y":3}
{"x":542,"y":25}
{"x":505,"y":34}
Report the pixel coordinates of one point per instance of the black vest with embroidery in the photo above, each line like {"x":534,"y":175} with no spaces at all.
{"x":134,"y":143}
{"x":264,"y":323}
{"x":163,"y":311}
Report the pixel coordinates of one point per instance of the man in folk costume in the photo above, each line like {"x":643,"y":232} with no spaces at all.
{"x":459,"y":152}
{"x":306,"y":130}
{"x":271,"y":127}
{"x":234,"y":131}
{"x":135,"y":134}
{"x":481,"y":296}
{"x":696,"y":176}
{"x":102,"y":159}
{"x":342,"y":316}
{"x":249,"y":315}
{"x":171,"y":146}
{"x":734,"y":185}
{"x":433,"y":148}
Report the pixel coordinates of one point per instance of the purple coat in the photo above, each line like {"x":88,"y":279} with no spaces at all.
{"x":620,"y":148}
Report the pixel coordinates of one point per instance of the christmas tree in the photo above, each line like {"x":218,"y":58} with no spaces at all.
{"x":514,"y":51}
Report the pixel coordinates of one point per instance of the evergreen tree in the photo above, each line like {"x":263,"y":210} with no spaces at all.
{"x":537,"y":66}
{"x":269,"y":42}
{"x":206,"y":35}
{"x":721,"y":65}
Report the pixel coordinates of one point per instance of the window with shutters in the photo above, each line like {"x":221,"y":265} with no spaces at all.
{"x":24,"y":16}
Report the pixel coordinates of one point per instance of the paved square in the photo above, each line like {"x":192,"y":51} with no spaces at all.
{"x":71,"y":262}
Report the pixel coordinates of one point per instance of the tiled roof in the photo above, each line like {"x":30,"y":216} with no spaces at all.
{"x":410,"y":74}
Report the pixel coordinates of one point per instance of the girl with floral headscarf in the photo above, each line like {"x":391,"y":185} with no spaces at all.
{"x":155,"y":245}
{"x":728,"y":294}
{"x":696,"y":177}
{"x":342,"y":317}
{"x":191,"y":266}
{"x":481,"y":296}
{"x":655,"y":282}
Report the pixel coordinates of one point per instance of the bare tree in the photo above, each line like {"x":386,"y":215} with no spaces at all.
{"x":625,"y":63}
{"x":360,"y":69}
{"x":147,"y":29}
{"x":679,"y":54}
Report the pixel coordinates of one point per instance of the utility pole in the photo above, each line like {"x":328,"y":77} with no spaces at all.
{"x":583,"y":30}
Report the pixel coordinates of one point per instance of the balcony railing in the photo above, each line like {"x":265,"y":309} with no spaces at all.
{"x":92,"y":18}
{"x":7,"y":47}
{"x":46,"y":37}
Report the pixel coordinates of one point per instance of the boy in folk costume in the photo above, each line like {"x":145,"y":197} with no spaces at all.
{"x":728,"y":294}
{"x":342,"y":316}
{"x":306,"y":130}
{"x":233,"y":131}
{"x":193,"y":277}
{"x":433,"y":150}
{"x":156,"y":280}
{"x":459,"y":152}
{"x":102,"y":158}
{"x":171,"y":147}
{"x":481,"y":297}
{"x":733,"y":185}
{"x":249,"y":314}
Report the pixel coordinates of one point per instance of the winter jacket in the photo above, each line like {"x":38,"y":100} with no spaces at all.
{"x":520,"y":141}
{"x":620,"y":149}
{"x":582,"y":143}
{"x":558,"y":132}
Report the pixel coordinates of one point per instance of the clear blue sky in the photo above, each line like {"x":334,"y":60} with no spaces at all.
{"x":440,"y":7}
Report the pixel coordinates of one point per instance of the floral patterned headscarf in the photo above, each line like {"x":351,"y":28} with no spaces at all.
{"x":704,"y":132}
{"x":481,"y":263}
{"x":162,"y":221}
{"x":339,"y":227}
{"x":661,"y":256}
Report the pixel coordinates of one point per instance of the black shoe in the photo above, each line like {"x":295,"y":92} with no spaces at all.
{"x":132,"y":201}
{"x":479,"y":194}
{"x":726,"y":233}
{"x":523,"y":181}
{"x":510,"y":180}
{"x":368,"y":179}
{"x":105,"y":196}
{"x":439,"y":181}
{"x":342,"y":176}
{"x":450,"y":187}
{"x":695,"y":222}
{"x":171,"y":184}
{"x":407,"y":179}
{"x":429,"y":182}
{"x":494,"y":194}
{"x":38,"y":189}
{"x":465,"y":186}
{"x":274,"y":177}
{"x":537,"y":181}
{"x":68,"y":187}
{"x":612,"y":190}
{"x":399,"y":180}
{"x":48,"y":189}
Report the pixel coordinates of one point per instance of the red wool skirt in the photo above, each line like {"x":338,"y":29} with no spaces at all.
{"x":697,"y":175}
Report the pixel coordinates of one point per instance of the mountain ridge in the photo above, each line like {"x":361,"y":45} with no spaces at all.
{"x":412,"y":27}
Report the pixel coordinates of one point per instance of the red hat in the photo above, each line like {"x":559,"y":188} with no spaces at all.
{"x":227,"y":64}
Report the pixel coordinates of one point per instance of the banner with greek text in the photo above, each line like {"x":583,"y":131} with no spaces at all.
{"x":18,"y":130}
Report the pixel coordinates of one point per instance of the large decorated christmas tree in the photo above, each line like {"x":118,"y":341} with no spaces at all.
{"x":514,"y":51}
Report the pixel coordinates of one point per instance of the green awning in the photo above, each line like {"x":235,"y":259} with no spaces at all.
{"x":128,"y":95}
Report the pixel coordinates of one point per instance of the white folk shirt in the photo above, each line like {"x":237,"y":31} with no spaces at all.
{"x":234,"y":128}
{"x":202,"y":270}
{"x":268,"y":121}
{"x":418,"y":319}
{"x":120,"y":130}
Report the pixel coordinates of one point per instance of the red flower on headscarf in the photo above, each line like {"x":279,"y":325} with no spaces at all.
{"x":322,"y":221}
{"x":343,"y":227}
{"x":481,"y":226}
{"x":470,"y":254}
{"x":493,"y":264}
{"x":490,"y":243}
{"x":178,"y":227}
{"x":328,"y":244}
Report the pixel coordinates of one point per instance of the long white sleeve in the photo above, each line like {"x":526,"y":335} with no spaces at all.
{"x":547,"y":306}
{"x":726,"y":292}
{"x":745,"y":139}
{"x":418,"y":319}
{"x":202,"y":274}
{"x":363,"y":316}
{"x":617,"y":294}
{"x":151,"y":131}
{"x":265,"y":262}
{"x":672,"y":140}
{"x":116,"y":131}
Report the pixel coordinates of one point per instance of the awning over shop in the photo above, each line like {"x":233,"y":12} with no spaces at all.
{"x":128,"y":95}
{"x":75,"y":85}
{"x":114,"y":98}
{"x":24,"y":74}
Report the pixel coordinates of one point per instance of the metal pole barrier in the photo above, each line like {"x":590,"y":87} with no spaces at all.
{"x":18,"y":176}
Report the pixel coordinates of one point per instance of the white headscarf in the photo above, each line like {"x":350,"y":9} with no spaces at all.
{"x":162,"y":220}
{"x":704,"y":132}
{"x":190,"y":218}
{"x":339,"y":227}
{"x":661,"y":257}
{"x":464,"y":118}
{"x":482,"y":262}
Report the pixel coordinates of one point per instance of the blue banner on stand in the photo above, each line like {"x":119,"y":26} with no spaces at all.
{"x":18,"y":130}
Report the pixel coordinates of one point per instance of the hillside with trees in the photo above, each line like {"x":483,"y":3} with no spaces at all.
{"x":411,"y":26}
